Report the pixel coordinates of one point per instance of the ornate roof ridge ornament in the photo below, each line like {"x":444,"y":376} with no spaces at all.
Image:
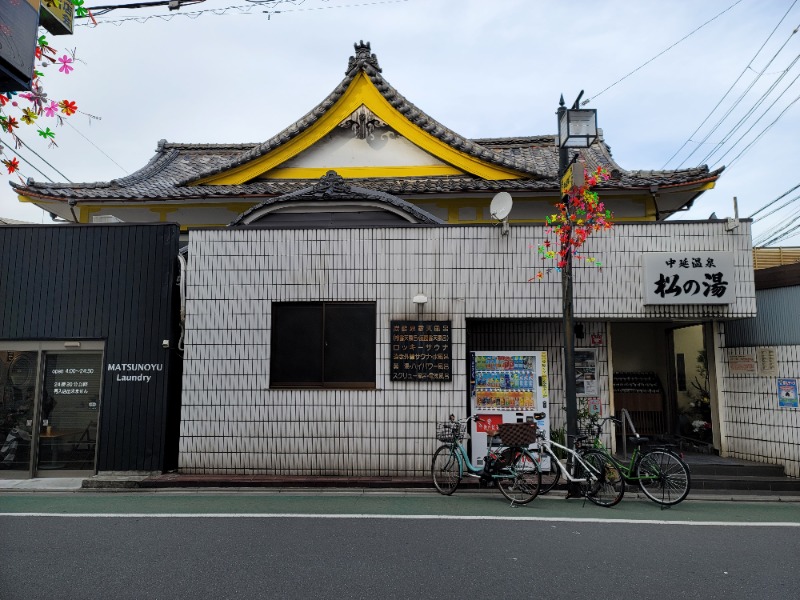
{"x":363,"y":122}
{"x":331,"y":184}
{"x":362,"y":58}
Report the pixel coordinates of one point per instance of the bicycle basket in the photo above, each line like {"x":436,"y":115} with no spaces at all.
{"x":450,"y":431}
{"x":518,"y":434}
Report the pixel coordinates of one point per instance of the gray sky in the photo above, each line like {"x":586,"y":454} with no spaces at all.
{"x":484,"y":68}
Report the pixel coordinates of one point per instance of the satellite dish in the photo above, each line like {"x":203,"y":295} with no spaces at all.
{"x":501,"y":206}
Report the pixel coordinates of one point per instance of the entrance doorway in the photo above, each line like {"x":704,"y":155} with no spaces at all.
{"x":693,"y":386}
{"x":640,"y":377}
{"x":49,"y":407}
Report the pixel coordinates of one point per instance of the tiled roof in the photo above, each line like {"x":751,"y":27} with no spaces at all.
{"x":173,"y":169}
{"x":333,"y":187}
{"x":160,"y":178}
{"x":368,"y":63}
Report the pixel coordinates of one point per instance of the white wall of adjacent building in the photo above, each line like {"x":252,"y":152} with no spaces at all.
{"x":756,"y":427}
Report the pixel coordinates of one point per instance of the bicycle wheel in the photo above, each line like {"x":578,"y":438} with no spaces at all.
{"x":665,"y":477}
{"x":446,"y":470}
{"x":550,"y":477}
{"x":605,"y":485}
{"x":520,"y":481}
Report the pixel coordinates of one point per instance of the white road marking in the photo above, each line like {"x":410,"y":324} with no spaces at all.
{"x":388,"y":517}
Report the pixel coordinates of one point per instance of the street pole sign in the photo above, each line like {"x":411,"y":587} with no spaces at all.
{"x":573,"y":178}
{"x":566,"y":181}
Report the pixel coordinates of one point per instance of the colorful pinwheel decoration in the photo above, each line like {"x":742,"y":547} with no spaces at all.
{"x":34,"y":104}
{"x":11,"y":164}
{"x":80,"y":10}
{"x":575,"y":220}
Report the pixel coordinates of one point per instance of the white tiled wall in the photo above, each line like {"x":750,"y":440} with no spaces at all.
{"x":231,"y":422}
{"x":756,"y":427}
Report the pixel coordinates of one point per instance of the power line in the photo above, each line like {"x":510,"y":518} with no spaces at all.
{"x":772,"y":212}
{"x":756,"y":122}
{"x":766,"y":206}
{"x":760,"y":135}
{"x":241,"y":9}
{"x":40,"y":158}
{"x":661,"y":53}
{"x":172,"y":4}
{"x":784,"y":231}
{"x":739,"y":99}
{"x":730,"y":89}
{"x":98,"y":148}
{"x":29,"y":163}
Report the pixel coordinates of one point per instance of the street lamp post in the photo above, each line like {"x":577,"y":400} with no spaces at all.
{"x":577,"y":128}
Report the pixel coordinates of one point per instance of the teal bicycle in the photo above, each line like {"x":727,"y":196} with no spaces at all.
{"x":513,"y":469}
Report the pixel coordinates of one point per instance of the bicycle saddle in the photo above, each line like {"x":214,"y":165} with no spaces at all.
{"x":638,"y":440}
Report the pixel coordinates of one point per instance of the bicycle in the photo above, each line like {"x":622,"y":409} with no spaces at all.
{"x":513,"y":469}
{"x":660,"y":473}
{"x":599,"y":479}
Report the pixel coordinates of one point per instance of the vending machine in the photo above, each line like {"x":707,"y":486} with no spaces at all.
{"x":506,"y":387}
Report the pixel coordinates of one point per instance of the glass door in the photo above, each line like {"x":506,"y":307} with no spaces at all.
{"x":18,"y":371}
{"x":70,"y":403}
{"x":49,"y":407}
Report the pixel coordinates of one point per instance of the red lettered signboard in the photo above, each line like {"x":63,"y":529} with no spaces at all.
{"x":488,"y":422}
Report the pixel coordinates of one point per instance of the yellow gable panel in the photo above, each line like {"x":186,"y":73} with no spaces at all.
{"x":360,"y":92}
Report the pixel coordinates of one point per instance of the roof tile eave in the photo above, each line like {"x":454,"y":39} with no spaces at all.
{"x":278,"y":139}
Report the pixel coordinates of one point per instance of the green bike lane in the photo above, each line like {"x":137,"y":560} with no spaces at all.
{"x":384,"y":504}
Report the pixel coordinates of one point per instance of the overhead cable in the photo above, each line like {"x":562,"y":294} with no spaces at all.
{"x":785,"y":231}
{"x":97,"y":147}
{"x":40,"y":158}
{"x":772,"y":212}
{"x":730,"y":89}
{"x":763,"y":131}
{"x":766,"y":206}
{"x":749,"y":113}
{"x":34,"y":167}
{"x":660,"y":54}
{"x":737,"y":101}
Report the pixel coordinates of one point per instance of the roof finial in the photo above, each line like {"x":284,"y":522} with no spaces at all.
{"x":362,"y":58}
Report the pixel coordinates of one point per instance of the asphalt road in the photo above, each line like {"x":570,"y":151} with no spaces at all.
{"x":291,"y":545}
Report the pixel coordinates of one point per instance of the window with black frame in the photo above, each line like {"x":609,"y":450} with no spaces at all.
{"x":323,"y":344}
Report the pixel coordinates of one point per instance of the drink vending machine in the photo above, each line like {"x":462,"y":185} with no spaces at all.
{"x":506,"y":387}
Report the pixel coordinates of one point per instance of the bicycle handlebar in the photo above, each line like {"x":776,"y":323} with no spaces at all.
{"x":475,"y":418}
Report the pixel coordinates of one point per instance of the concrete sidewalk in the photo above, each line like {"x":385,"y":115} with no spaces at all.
{"x":173,"y":482}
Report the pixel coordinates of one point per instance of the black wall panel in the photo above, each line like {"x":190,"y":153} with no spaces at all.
{"x":115,"y":283}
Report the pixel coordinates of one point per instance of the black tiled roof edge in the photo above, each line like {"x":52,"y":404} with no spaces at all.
{"x":158,"y":178}
{"x":333,"y":187}
{"x":364,"y":61}
{"x":394,"y":186}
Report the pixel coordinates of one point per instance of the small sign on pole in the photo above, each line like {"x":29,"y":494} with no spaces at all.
{"x":573,"y":178}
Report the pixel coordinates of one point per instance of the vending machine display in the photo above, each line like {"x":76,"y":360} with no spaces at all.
{"x":506,"y":387}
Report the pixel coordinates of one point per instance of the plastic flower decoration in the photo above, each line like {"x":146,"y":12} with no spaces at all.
{"x":51,"y":110}
{"x":13,"y":112}
{"x":65,"y":65}
{"x":28,"y":116}
{"x":11,"y":164}
{"x":575,"y":220}
{"x":9,"y":124}
{"x":80,"y":10}
{"x":68,"y":107}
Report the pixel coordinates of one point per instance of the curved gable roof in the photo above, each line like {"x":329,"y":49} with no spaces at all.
{"x":333,"y":190}
{"x":367,"y":63}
